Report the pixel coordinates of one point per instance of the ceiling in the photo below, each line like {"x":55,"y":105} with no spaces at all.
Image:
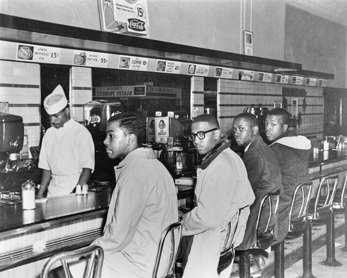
{"x":335,"y":10}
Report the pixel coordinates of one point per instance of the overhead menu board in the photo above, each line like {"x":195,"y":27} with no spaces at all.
{"x":22,"y":52}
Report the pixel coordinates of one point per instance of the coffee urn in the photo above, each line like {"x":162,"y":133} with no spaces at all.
{"x":260,"y":113}
{"x":13,"y":171}
{"x":12,"y":135}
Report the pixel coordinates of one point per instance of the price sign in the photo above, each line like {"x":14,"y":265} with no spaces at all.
{"x":38,"y":54}
{"x":223,"y":72}
{"x":133,"y":63}
{"x":97,"y":59}
{"x":168,"y":66}
{"x":195,"y":69}
{"x":91,"y":59}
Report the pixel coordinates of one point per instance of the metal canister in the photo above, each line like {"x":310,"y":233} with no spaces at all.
{"x":192,"y":159}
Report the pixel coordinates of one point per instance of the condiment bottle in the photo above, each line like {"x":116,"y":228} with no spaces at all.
{"x":326,"y":144}
{"x":78,"y":189}
{"x":28,"y":195}
{"x":179,"y":164}
{"x":12,"y":161}
{"x":85,"y":189}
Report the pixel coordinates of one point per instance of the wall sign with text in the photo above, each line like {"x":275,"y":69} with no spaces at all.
{"x":248,"y":43}
{"x":124,"y":16}
{"x":120,"y":91}
{"x":38,"y":54}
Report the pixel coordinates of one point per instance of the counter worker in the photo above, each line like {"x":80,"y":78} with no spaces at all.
{"x":264,"y":175}
{"x":292,"y":152}
{"x":143,"y":203}
{"x":222,"y":193}
{"x":67,"y":150}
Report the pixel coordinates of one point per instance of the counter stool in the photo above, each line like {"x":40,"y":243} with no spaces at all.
{"x":340,"y":195}
{"x":339,"y":206}
{"x":321,"y":210}
{"x":170,"y":240}
{"x":266,"y":238}
{"x":298,"y":223}
{"x":93,"y":256}
{"x":227,"y":255}
{"x":345,"y":248}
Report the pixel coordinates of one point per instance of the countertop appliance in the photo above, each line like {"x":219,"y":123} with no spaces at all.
{"x":13,"y":171}
{"x":260,"y":113}
{"x":12,"y":135}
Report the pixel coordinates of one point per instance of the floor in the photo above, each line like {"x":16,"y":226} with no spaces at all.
{"x":320,"y":270}
{"x":293,"y":254}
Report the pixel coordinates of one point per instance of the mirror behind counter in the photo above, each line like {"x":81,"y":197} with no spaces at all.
{"x":166,"y":132}
{"x":167,"y":135}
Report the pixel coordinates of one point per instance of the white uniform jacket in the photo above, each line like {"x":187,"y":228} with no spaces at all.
{"x":222,"y":189}
{"x":65,"y":152}
{"x":143,"y":204}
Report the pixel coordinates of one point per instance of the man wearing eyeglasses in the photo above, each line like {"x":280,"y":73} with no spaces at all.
{"x":222,"y":192}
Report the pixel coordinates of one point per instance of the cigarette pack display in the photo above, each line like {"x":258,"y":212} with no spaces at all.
{"x":150,"y":129}
{"x":167,"y":127}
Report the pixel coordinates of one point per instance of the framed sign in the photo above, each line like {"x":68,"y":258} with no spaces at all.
{"x":248,"y":43}
{"x":124,"y":16}
{"x":277,"y":104}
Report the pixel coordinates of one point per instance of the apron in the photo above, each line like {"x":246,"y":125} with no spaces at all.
{"x":64,"y":166}
{"x":61,"y":185}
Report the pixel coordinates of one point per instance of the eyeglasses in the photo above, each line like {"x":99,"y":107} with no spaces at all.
{"x":200,"y":134}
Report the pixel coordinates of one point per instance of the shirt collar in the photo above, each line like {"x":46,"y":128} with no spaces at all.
{"x":68,"y":123}
{"x":137,"y":154}
{"x":246,"y":149}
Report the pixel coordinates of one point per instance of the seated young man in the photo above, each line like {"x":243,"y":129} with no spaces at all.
{"x":263,"y":173}
{"x":222,"y":191}
{"x":143,"y":203}
{"x":292,"y":152}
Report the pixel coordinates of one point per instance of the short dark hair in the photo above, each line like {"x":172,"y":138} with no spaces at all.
{"x":211,"y":119}
{"x":284,"y":114}
{"x":252,"y":119}
{"x":131,"y":123}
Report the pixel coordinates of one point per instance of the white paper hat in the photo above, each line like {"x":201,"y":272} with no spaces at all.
{"x":56,"y":101}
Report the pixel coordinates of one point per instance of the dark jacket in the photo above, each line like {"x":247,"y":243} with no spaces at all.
{"x":292,"y":153}
{"x":264,"y":175}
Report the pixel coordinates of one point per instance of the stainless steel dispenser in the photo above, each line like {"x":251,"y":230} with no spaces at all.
{"x":13,"y":171}
{"x":96,"y":115}
{"x":12,"y":134}
{"x":260,"y":113}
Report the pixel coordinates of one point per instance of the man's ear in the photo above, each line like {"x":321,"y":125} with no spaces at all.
{"x":216,"y":134}
{"x":131,"y":139}
{"x":255,"y":130}
{"x":285,"y":127}
{"x":67,"y":111}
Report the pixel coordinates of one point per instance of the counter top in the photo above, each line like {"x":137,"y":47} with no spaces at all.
{"x":326,"y":157}
{"x":14,"y":219}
